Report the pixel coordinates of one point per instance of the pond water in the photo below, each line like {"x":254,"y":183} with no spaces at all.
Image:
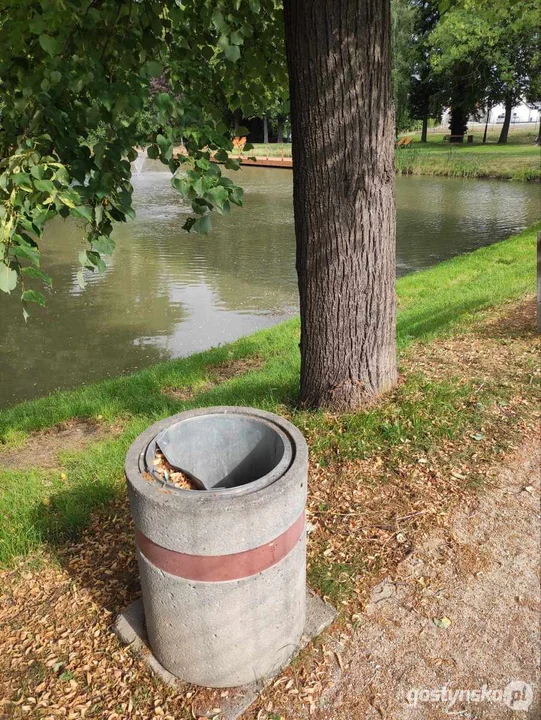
{"x":166,"y":294}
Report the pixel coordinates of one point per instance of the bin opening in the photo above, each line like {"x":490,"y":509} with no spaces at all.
{"x":220,"y":451}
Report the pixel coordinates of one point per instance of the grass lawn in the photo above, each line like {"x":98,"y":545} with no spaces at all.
{"x":520,"y":159}
{"x":40,"y":505}
{"x":379,"y":481}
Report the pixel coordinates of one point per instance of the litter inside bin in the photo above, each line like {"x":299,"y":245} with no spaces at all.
{"x":219,"y":451}
{"x":167,"y":473}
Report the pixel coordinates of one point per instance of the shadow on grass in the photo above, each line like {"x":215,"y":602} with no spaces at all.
{"x":88,"y":525}
{"x":96,"y":475}
{"x":414,"y":325}
{"x":519,"y":321}
{"x":101,"y":559}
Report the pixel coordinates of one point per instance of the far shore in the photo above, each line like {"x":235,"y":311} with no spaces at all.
{"x":518,"y":160}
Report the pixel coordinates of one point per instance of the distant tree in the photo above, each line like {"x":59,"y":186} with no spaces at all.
{"x":278,"y":113}
{"x":462,"y":74}
{"x":402,"y":16}
{"x":487,"y":49}
{"x":425,"y":86}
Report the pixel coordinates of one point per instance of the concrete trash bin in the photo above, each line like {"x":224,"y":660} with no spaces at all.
{"x":223,"y":567}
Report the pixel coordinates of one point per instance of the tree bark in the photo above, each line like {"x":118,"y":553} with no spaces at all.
{"x":458,"y":124}
{"x":343,"y":195}
{"x":265,"y":130}
{"x":486,"y":125}
{"x":424,"y":131}
{"x":280,"y":131}
{"x":538,"y":138}
{"x":507,"y":120}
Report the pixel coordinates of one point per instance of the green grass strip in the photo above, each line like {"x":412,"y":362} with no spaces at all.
{"x":49,"y":506}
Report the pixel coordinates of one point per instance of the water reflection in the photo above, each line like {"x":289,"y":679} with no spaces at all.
{"x":166,"y":294}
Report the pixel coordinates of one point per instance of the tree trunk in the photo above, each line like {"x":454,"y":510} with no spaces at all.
{"x":343,"y":197}
{"x":486,"y":125}
{"x":424,"y":131}
{"x":280,"y":131}
{"x":458,"y":124}
{"x":538,"y":138}
{"x":265,"y":130}
{"x":507,"y":120}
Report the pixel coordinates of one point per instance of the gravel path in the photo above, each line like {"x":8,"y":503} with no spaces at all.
{"x":462,"y":614}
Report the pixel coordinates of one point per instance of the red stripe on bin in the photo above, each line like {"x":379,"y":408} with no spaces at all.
{"x":218,"y":568}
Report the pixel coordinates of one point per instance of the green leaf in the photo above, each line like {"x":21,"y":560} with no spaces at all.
{"x":153,"y":152}
{"x":56,"y":77}
{"x":82,"y":211}
{"x":232,"y":53}
{"x":236,"y":38}
{"x":67,"y":200}
{"x":224,"y":209}
{"x":49,"y":44}
{"x":37,"y":171}
{"x":218,"y":196}
{"x":203,"y":225}
{"x":221,"y":156}
{"x":62,"y":175}
{"x":44,"y":186}
{"x":200,"y":206}
{"x":20,"y":179}
{"x":236,"y":195}
{"x":33,"y":296}
{"x":179,"y":184}
{"x":218,"y":20}
{"x":95,"y":260}
{"x":8,"y":278}
{"x":163,"y":101}
{"x":98,"y":213}
{"x":162,"y":141}
{"x":103,"y":244}
{"x":153,"y":68}
{"x":34,"y":272}
{"x":28,"y":252}
{"x":203,"y":163}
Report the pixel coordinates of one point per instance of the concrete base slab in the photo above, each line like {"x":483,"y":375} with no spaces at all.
{"x":130,"y":629}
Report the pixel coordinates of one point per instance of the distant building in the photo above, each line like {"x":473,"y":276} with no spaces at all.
{"x":522,"y":113}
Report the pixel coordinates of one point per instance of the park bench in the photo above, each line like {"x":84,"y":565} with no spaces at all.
{"x":448,"y":138}
{"x":404,"y":142}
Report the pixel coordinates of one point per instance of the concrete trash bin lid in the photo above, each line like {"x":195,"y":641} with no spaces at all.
{"x":224,"y":451}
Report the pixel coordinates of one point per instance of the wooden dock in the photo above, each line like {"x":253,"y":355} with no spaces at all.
{"x":285,"y":163}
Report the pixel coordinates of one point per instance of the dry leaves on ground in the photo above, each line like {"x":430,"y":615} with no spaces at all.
{"x":59,"y":658}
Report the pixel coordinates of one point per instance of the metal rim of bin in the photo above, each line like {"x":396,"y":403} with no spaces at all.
{"x":147,"y":456}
